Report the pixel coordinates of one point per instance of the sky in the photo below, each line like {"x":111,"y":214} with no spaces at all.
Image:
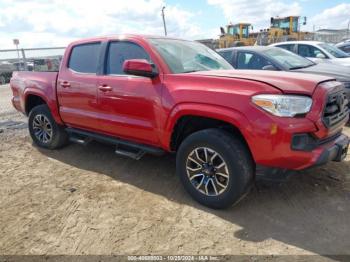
{"x":47,"y":23}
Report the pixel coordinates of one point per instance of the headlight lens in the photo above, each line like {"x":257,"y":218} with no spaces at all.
{"x":283,"y":105}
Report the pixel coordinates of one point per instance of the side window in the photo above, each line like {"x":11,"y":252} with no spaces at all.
{"x":227,"y":55}
{"x":309,"y":51}
{"x":118,"y":52}
{"x":250,"y":61}
{"x":243,"y":60}
{"x":288,"y":47}
{"x":346,"y":48}
{"x":84,"y":58}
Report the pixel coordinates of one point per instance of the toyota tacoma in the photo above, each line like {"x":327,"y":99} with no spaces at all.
{"x":147,"y":94}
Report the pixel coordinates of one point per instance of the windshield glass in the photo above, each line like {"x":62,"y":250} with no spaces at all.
{"x":335,"y":51}
{"x":186,"y":56}
{"x":287,"y":59}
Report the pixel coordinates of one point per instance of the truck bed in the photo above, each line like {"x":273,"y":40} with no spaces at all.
{"x":24,"y":83}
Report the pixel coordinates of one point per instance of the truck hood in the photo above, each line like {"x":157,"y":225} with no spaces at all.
{"x":287,"y":82}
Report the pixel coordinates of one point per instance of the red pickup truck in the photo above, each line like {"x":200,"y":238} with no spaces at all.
{"x":147,"y":94}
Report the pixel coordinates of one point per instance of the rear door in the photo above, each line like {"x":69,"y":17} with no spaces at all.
{"x":127,"y":104}
{"x":77,"y":86}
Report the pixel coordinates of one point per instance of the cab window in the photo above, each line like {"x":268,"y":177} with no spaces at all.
{"x":118,"y":52}
{"x":84,"y":58}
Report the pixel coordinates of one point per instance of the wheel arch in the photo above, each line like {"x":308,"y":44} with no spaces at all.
{"x":33,"y":100}
{"x":188,"y":118}
{"x":34,"y":97}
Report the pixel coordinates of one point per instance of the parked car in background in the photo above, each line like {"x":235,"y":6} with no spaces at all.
{"x":344,"y":46}
{"x":274,"y":58}
{"x":6,"y":70}
{"x":317,"y":51}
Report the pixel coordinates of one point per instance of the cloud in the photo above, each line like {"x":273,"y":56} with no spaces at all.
{"x":56,"y":22}
{"x":336,"y":17}
{"x":257,"y":12}
{"x":41,"y":23}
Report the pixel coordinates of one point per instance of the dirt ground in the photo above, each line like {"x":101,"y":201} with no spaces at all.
{"x":87,"y":200}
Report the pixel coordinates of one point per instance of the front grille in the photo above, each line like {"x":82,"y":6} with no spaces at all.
{"x":336,"y":109}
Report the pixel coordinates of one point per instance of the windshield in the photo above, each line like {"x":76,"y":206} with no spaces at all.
{"x":287,"y":59}
{"x":335,"y":51}
{"x":186,"y":56}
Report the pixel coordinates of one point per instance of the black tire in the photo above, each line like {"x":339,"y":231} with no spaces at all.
{"x":59,"y":136}
{"x":232,"y":151}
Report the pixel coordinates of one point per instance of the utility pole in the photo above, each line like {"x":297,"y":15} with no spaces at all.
{"x":164,"y":21}
{"x":348,"y":29}
{"x":16,"y":43}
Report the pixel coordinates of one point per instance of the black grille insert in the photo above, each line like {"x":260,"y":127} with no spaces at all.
{"x":336,"y":109}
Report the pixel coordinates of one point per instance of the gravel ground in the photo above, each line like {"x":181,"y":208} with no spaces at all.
{"x":87,"y":200}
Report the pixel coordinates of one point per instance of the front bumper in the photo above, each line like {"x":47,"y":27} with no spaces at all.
{"x":335,"y":150}
{"x":300,"y":143}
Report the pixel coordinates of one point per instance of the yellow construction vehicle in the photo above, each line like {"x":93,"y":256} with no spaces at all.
{"x":282,"y":29}
{"x":286,"y":28}
{"x":236,"y":35}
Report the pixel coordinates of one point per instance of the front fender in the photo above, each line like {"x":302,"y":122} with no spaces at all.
{"x":221,"y":113}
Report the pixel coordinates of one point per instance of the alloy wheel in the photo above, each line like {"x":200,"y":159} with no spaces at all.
{"x":42,"y":128}
{"x":207,"y":171}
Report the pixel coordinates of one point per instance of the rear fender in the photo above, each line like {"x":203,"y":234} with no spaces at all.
{"x":49,"y":100}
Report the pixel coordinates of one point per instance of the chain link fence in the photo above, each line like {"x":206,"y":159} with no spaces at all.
{"x":29,"y":59}
{"x":332,"y":37}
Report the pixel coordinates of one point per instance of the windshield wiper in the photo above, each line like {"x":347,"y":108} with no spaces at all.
{"x":300,"y":67}
{"x":191,"y":71}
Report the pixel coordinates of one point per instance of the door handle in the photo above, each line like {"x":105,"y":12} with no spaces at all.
{"x":105,"y":88}
{"x":65,"y":84}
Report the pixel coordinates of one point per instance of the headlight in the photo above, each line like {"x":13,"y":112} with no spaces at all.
{"x":283,"y":105}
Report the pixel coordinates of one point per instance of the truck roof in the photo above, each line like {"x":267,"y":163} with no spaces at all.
{"x":123,"y":36}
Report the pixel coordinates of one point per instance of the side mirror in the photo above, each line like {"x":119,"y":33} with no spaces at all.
{"x":139,"y":67}
{"x":320,"y":55}
{"x":269,"y":67}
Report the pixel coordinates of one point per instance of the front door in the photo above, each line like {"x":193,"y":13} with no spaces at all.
{"x":127,"y":104}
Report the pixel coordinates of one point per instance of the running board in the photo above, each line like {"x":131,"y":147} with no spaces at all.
{"x":133,"y":153}
{"x":80,"y":140}
{"x":123,"y":147}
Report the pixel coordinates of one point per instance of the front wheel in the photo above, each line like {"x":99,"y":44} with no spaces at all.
{"x":43,"y":129}
{"x":215,"y":167}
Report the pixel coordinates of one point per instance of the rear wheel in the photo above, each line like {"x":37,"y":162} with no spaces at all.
{"x":43,"y":129}
{"x":215,"y":167}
